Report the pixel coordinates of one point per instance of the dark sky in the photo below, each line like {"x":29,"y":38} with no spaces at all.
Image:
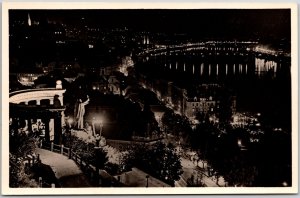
{"x":274,"y":23}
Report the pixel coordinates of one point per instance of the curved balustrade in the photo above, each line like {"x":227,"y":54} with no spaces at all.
{"x":36,"y":95}
{"x":52,"y":116}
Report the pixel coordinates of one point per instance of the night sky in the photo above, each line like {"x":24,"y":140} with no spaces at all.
{"x":233,"y":23}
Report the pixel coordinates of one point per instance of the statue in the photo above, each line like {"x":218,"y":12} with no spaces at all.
{"x":56,"y":102}
{"x":80,"y":111}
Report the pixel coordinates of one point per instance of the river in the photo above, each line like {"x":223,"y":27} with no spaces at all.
{"x":260,"y":82}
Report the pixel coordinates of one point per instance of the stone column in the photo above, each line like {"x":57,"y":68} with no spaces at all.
{"x":63,"y":123}
{"x":57,"y":129}
{"x":51,"y":129}
{"x":29,"y":125}
{"x":38,"y":102}
{"x":61,"y":100}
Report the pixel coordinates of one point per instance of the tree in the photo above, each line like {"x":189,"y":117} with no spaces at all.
{"x":170,"y":168}
{"x":20,"y":146}
{"x":167,"y":119}
{"x":238,"y":171}
{"x":225,"y":111}
{"x":148,"y":120}
{"x":18,"y":176}
{"x":176,"y":124}
{"x":273,"y":157}
{"x":195,"y":181}
{"x":159,"y":160}
{"x":226,"y":158}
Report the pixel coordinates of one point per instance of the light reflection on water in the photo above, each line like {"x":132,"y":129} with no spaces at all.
{"x":260,"y":83}
{"x":220,"y":66}
{"x":263,"y":66}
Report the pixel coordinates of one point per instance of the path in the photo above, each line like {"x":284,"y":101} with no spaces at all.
{"x":189,"y":169}
{"x":137,"y":178}
{"x":65,"y":169}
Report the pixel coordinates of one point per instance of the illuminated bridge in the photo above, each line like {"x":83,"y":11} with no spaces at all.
{"x":214,"y":47}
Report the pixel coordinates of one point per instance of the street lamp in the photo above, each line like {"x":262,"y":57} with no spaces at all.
{"x":93,"y":125}
{"x":258,"y":114}
{"x":98,"y":137}
{"x":101,"y":126}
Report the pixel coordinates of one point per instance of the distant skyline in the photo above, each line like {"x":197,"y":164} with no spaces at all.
{"x":214,"y":23}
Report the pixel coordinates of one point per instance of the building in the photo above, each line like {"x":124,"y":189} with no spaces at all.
{"x":208,"y":99}
{"x":27,"y":77}
{"x":201,"y":105}
{"x":38,"y":111}
{"x":100,"y":84}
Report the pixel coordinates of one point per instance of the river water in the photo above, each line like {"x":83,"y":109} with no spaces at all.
{"x":261,"y":83}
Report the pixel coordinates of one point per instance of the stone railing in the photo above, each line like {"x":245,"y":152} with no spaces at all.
{"x":36,"y":94}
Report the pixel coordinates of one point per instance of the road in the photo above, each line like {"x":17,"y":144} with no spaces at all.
{"x":189,"y":169}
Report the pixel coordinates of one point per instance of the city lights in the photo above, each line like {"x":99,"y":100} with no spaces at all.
{"x":155,"y":103}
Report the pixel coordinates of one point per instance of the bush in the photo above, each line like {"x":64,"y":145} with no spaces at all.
{"x":87,"y":151}
{"x":18,"y":176}
{"x":21,"y":145}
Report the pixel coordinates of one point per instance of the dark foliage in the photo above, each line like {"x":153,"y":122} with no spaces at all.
{"x":87,"y":151}
{"x":159,"y":160}
{"x":21,"y":145}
